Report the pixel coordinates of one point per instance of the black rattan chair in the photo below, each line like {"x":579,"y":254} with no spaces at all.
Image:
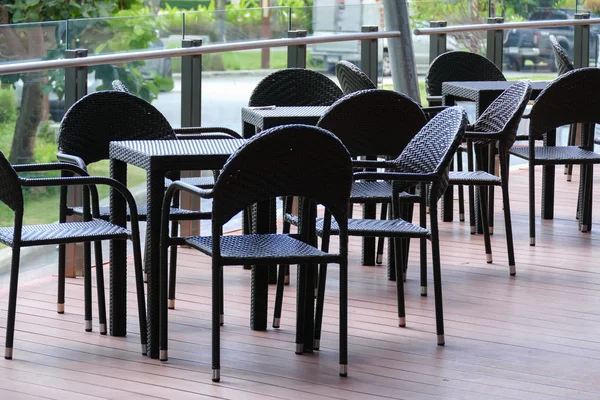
{"x":91,"y":229}
{"x":498,"y":124}
{"x":95,"y":120}
{"x":311,"y":163}
{"x":351,"y":78}
{"x":571,"y":98}
{"x":458,"y":66}
{"x":295,"y":87}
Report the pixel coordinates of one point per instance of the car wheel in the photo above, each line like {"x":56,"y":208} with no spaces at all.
{"x":386,"y":67}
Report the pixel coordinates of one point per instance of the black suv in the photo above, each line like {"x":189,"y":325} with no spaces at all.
{"x":534,"y":44}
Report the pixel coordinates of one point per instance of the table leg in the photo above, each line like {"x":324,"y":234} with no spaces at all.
{"x":118,"y":256}
{"x":448,"y":196}
{"x":305,"y":307}
{"x":260,"y":273}
{"x":154,"y":194}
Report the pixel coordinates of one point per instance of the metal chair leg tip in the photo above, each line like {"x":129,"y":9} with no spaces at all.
{"x":88,"y":326}
{"x":145,"y":277}
{"x":569,"y":178}
{"x":222,"y":320}
{"x":216,"y":375}
{"x":584,"y":228}
{"x":461,"y":217}
{"x":164,"y":355}
{"x":8,"y":353}
{"x":379,"y":260}
{"x":491,"y":228}
{"x":60,"y":308}
{"x":473,"y":230}
{"x":103,"y":329}
{"x":299,"y":348}
{"x":286,"y":280}
{"x":276,"y":322}
{"x":423,"y":290}
{"x":171,"y":304}
{"x":144,"y":349}
{"x":344,"y":370}
{"x":441,"y":340}
{"x":532,"y":241}
{"x":316,"y":344}
{"x":402,"y":322}
{"x":512,"y":269}
{"x":488,"y":258}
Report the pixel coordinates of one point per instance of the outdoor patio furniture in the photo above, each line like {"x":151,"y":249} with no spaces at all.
{"x":92,"y":123}
{"x":571,"y":98}
{"x":92,"y":228}
{"x":311,"y":163}
{"x":351,"y":78}
{"x":497,"y":125}
{"x":158,"y":157}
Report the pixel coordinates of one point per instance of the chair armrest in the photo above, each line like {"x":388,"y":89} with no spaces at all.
{"x":90,"y":181}
{"x":434,"y":101}
{"x":57,"y":166}
{"x":432,"y":111}
{"x":480,"y":135}
{"x":71,"y":159}
{"x":211,"y":132}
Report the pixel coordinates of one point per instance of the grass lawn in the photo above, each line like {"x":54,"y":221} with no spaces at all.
{"x":239,"y":60}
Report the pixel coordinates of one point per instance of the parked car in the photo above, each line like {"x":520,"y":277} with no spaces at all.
{"x":521,"y":45}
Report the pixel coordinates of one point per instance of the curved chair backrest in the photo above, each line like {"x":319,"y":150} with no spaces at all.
{"x":459,"y":66}
{"x":505,"y":113}
{"x":570,"y":98}
{"x":351,"y":78}
{"x":374,"y":122}
{"x":10,"y":187}
{"x":289,"y":160}
{"x":563,"y":64}
{"x":432,"y":149}
{"x":295,"y":87}
{"x":95,"y":120}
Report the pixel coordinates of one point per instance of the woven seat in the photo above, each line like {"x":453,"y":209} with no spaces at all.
{"x":91,"y":229}
{"x":101,"y":117}
{"x":71,"y":232}
{"x":264,"y":247}
{"x":570,"y":99}
{"x":311,"y":163}
{"x":177,"y":214}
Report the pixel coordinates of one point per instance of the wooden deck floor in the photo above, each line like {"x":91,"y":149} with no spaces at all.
{"x":533,"y":336}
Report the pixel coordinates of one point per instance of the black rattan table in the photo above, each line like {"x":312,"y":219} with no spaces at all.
{"x":256,"y":119}
{"x":158,"y":157}
{"x":482,"y":93}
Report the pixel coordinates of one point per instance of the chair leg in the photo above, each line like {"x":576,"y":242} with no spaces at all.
{"x":461,"y":189}
{"x":391,"y":257}
{"x":100,"y":287}
{"x":139,"y":289}
{"x":472,"y":209}
{"x":216,"y":331}
{"x":60,"y":302}
{"x":344,"y":318}
{"x":321,"y":291}
{"x":287,"y":208}
{"x":87,"y":285}
{"x":531,"y":202}
{"x":399,"y":283}
{"x":504,"y":163}
{"x":12,"y":303}
{"x":380,"y":240}
{"x":423,"y":249}
{"x":221,"y":301}
{"x":173,"y":266}
{"x":437,"y":276}
{"x":483,"y":209}
{"x":279,"y":296}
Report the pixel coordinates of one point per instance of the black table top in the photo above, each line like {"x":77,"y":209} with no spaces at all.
{"x":175,"y":154}
{"x":270,"y":116}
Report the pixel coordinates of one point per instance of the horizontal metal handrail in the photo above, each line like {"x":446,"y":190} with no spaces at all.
{"x":493,"y":26}
{"x":179,"y":52}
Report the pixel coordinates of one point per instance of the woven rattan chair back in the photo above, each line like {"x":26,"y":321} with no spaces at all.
{"x":432,"y":148}
{"x":290,"y":160}
{"x":120,"y":86}
{"x":570,"y":98}
{"x":459,"y":66}
{"x":295,"y":87}
{"x":505,"y":113}
{"x":10,"y":187}
{"x":374,"y":122}
{"x":101,"y":117}
{"x":351,"y":78}
{"x":563,"y":64}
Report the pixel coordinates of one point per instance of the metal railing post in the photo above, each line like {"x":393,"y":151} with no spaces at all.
{"x":437,"y":41}
{"x":369,"y":57}
{"x":75,"y":88}
{"x":581,"y":43}
{"x":296,"y":53}
{"x":495,"y":42}
{"x":191,"y":115}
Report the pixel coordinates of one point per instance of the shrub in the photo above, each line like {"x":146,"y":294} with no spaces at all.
{"x":8,"y":106}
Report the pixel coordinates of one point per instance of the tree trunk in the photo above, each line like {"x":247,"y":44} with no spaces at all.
{"x":30,"y":116}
